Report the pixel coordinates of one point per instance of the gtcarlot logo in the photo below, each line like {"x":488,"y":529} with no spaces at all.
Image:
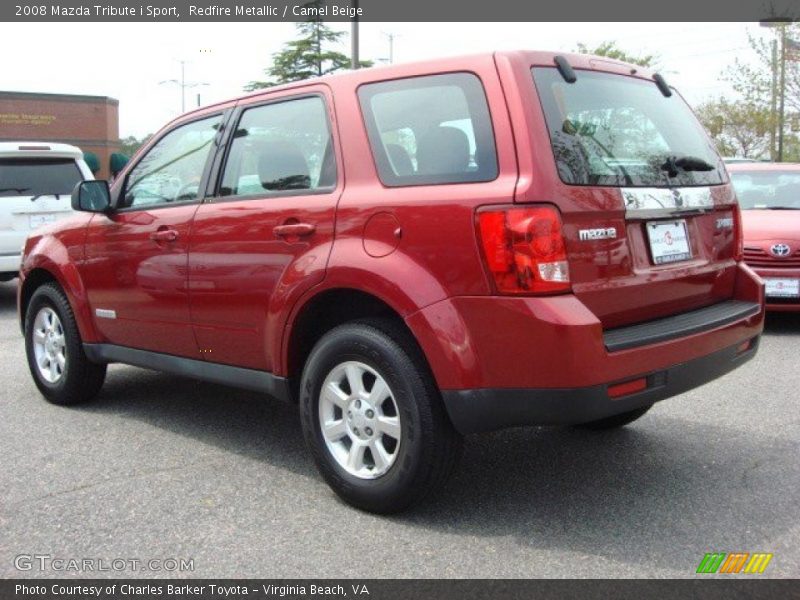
{"x":48,"y":562}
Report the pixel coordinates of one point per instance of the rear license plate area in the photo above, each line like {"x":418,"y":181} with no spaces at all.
{"x":669,"y":241}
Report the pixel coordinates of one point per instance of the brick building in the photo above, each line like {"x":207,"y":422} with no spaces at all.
{"x":89,"y":122}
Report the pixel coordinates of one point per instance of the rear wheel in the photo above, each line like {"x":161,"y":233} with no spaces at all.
{"x":372,"y":417}
{"x":60,"y":368}
{"x":615,"y":421}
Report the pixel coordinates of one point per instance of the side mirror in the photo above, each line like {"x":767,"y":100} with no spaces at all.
{"x":92,"y":196}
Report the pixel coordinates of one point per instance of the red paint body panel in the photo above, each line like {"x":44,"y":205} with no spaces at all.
{"x":143,"y":280}
{"x":555,"y":342}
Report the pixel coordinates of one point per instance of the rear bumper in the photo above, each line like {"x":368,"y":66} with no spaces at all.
{"x":473,"y":411}
{"x":502,"y":361}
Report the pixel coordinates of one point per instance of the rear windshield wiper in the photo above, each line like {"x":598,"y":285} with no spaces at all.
{"x":685,"y":163}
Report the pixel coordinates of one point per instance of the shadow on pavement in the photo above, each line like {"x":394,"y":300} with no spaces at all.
{"x":560,"y":488}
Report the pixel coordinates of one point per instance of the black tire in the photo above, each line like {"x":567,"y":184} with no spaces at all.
{"x":429,"y":448}
{"x":81,"y":379}
{"x":7,"y":277}
{"x":616,"y":421}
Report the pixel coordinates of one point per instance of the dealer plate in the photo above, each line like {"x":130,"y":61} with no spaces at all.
{"x":669,"y":241}
{"x":782,"y":287}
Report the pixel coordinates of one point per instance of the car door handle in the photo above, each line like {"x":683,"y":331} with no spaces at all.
{"x":164,"y":235}
{"x":294,"y":229}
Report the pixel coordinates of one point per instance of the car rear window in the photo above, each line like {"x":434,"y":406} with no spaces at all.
{"x":614,"y":130}
{"x":430,"y":130}
{"x":37,"y":176}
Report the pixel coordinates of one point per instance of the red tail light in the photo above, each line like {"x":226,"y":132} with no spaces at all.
{"x":524,"y":250}
{"x":738,"y":234}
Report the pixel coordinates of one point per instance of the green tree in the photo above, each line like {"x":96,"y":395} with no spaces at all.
{"x":610,"y":49}
{"x":738,"y":128}
{"x":753,"y":82}
{"x":307,"y":56}
{"x":130,"y":144}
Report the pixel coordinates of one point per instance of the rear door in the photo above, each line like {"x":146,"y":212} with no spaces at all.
{"x":264,"y":234}
{"x":649,"y":215}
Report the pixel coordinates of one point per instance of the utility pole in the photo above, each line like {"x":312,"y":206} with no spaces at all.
{"x":781,"y":115}
{"x":773,"y":153}
{"x":354,"y":61}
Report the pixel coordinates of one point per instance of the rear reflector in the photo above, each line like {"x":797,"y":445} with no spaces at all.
{"x":627,"y":387}
{"x":744,"y":346}
{"x":524,"y":249}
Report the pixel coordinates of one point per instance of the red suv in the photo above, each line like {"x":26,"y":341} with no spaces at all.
{"x":411,"y":253}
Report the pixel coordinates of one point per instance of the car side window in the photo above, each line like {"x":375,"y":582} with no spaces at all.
{"x":430,"y":130}
{"x":171,"y":170}
{"x":281,"y":148}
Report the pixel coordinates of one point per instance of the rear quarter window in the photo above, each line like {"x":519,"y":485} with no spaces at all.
{"x":427,"y":130}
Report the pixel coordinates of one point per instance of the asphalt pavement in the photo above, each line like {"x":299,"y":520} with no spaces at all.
{"x":163,"y":468}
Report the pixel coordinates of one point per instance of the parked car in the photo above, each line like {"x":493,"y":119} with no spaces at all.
{"x":769,"y":195}
{"x":36,"y":180}
{"x":411,"y":253}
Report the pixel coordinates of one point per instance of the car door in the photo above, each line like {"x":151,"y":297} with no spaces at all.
{"x":264,"y":234}
{"x":135,"y":268}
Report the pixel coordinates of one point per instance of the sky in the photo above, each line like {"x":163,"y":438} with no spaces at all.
{"x":131,"y":61}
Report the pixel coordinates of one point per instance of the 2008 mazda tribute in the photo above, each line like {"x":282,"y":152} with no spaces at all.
{"x":411,"y":253}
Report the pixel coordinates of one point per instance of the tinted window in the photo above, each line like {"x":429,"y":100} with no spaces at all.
{"x":767,"y":189}
{"x":280,"y":147}
{"x":615,"y":130}
{"x":33,"y":177}
{"x":430,"y":130}
{"x":171,"y":170}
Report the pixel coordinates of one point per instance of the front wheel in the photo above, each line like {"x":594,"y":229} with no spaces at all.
{"x":60,"y":368}
{"x":372,"y":417}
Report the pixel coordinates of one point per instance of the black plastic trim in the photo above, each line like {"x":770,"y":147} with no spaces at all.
{"x":662,"y":84}
{"x":681,"y":325}
{"x":566,"y":70}
{"x":251,"y":379}
{"x":480,"y":410}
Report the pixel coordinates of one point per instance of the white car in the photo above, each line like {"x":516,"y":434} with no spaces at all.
{"x":36,"y":181}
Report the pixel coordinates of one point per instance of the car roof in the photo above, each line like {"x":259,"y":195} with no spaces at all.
{"x":764,"y":166}
{"x":39,"y":150}
{"x":445,"y":64}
